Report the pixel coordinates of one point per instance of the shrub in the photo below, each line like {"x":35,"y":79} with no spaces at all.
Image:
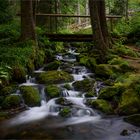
{"x":6,"y":12}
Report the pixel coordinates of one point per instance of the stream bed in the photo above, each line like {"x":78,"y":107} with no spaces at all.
{"x":85,"y":123}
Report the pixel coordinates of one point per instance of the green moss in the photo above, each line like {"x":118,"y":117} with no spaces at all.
{"x":102,"y":105}
{"x":30,"y":95}
{"x":84,"y":85}
{"x":117,"y":61}
{"x":18,"y":74}
{"x":30,"y":66}
{"x":90,"y":62}
{"x":129,"y":103}
{"x":39,"y":58}
{"x":103,"y":70}
{"x":52,"y":91}
{"x":133,"y":119}
{"x":123,"y":64}
{"x":123,"y":50}
{"x":67,"y":86}
{"x":52,"y":65}
{"x":108,"y":93}
{"x":63,"y":101}
{"x":65,"y":112}
{"x":90,"y":94}
{"x":6,"y":91}
{"x":3,"y":116}
{"x":54,"y":77}
{"x":11,"y":101}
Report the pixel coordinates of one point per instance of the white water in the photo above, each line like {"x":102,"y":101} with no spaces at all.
{"x":29,"y":81}
{"x":81,"y":113}
{"x":35,"y":113}
{"x":97,"y":128}
{"x":40,"y":70}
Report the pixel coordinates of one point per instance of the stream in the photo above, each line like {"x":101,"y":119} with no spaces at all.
{"x":85,"y":123}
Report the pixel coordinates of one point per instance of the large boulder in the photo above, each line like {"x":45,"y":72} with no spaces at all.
{"x":90,"y":62}
{"x":54,"y":77}
{"x":84,"y":85}
{"x":129,"y":103}
{"x":64,"y":101}
{"x":103,"y":71}
{"x":52,"y":91}
{"x":7,"y":90}
{"x":30,"y":95}
{"x":102,"y":105}
{"x":65,"y":112}
{"x":11,"y":101}
{"x":90,"y":94}
{"x":52,"y":65}
{"x":110,"y":92}
{"x":133,"y":119}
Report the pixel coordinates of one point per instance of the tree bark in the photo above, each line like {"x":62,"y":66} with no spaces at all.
{"x":27,"y":21}
{"x":99,"y":27}
{"x":103,"y":22}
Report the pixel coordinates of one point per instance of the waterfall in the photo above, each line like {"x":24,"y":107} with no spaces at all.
{"x":49,"y":107}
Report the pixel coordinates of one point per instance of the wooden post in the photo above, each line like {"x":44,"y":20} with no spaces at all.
{"x":111,"y":24}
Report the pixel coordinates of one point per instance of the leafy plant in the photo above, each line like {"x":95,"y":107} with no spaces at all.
{"x":4,"y":74}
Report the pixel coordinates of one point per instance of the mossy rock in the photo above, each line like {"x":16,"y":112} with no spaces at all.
{"x":54,"y":77}
{"x":108,"y":93}
{"x":90,"y":94}
{"x":108,"y":82}
{"x":18,"y":74}
{"x":6,"y":91}
{"x":133,"y":119}
{"x":129,"y":103}
{"x":11,"y":101}
{"x":3,"y":116}
{"x":90,"y":62}
{"x":65,"y":112}
{"x":103,"y":71}
{"x":52,"y":66}
{"x":63,"y":101}
{"x":84,"y":85}
{"x":30,"y":95}
{"x":67,"y":86}
{"x":101,"y":105}
{"x":67,"y":67}
{"x":52,"y":91}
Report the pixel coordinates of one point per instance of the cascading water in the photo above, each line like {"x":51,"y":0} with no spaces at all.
{"x":51,"y":108}
{"x":95,"y":128}
{"x":29,"y":81}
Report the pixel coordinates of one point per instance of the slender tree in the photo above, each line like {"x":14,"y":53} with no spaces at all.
{"x":101,"y":36}
{"x":27,"y":21}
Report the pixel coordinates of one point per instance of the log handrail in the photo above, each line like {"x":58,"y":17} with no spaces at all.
{"x":67,"y":15}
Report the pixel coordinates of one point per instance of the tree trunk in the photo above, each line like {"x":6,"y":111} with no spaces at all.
{"x":78,"y":13}
{"x":34,"y":2}
{"x":27,"y":21}
{"x":99,"y":27}
{"x":103,"y":22}
{"x":126,"y":10}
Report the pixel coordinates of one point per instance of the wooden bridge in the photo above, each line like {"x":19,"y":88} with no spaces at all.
{"x":70,"y":37}
{"x":73,"y":37}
